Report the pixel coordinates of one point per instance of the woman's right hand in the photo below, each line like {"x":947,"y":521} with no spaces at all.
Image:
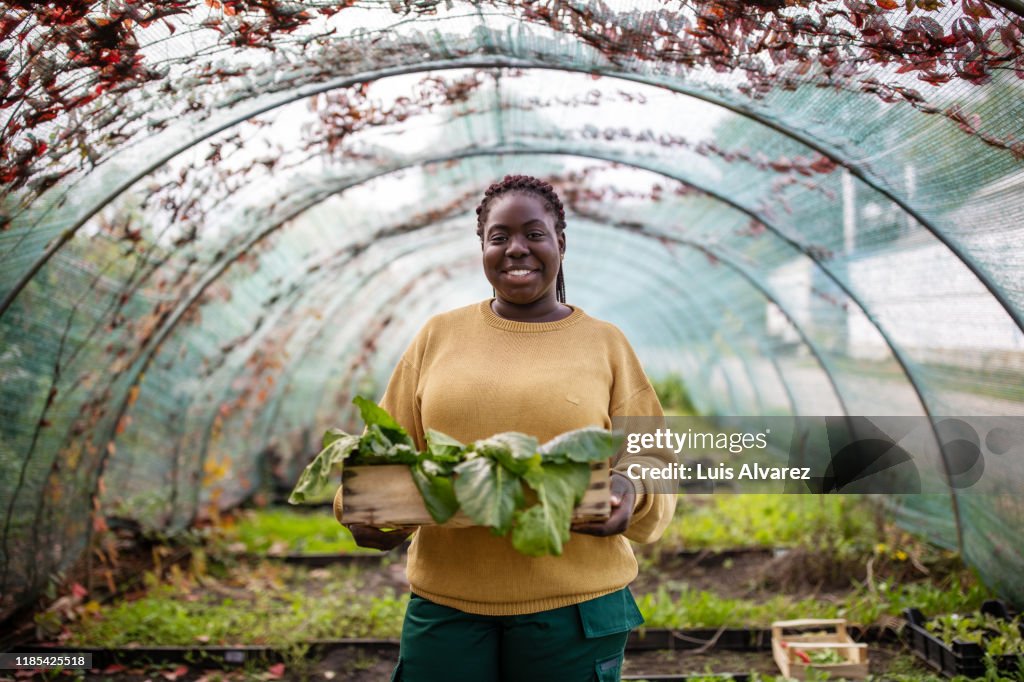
{"x":375,"y":538}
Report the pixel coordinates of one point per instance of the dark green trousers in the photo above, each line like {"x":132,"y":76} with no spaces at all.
{"x":579,"y":643}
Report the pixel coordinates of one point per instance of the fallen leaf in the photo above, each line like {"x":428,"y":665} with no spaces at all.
{"x":180,"y":671}
{"x":276,"y":671}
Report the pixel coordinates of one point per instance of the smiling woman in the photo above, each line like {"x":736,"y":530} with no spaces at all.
{"x":521,"y":225}
{"x":480,"y":610}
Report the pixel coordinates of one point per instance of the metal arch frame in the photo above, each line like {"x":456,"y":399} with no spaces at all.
{"x":1015,"y":6}
{"x":508,"y":62}
{"x":553,"y":150}
{"x":219,"y":267}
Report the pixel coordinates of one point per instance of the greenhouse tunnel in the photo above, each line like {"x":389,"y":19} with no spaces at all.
{"x":224,"y":219}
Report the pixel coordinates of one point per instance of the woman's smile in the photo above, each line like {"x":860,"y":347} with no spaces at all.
{"x":519,"y":273}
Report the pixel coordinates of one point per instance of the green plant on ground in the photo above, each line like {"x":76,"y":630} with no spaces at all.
{"x":812,"y":521}
{"x":1002,"y":636}
{"x":191,"y":611}
{"x":292,"y":531}
{"x":687,"y":607}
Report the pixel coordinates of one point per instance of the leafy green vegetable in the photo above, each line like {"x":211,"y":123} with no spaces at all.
{"x":514,"y":451}
{"x":488,"y":493}
{"x":485,"y":479}
{"x":544,"y":527}
{"x":443,"y":448}
{"x":374,"y":415}
{"x":437,"y":491}
{"x":826,"y":657}
{"x":589,"y":444}
{"x":317,"y":476}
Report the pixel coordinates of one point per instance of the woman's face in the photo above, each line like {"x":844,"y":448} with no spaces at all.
{"x":522,"y":252}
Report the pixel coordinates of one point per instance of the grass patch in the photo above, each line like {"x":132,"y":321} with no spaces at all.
{"x":287,"y":531}
{"x":749,"y":520}
{"x":272,"y":605}
{"x":688,"y":608}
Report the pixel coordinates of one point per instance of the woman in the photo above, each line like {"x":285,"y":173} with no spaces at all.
{"x":522,"y":361}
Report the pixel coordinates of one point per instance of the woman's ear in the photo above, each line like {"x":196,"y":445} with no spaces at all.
{"x":561,"y":244}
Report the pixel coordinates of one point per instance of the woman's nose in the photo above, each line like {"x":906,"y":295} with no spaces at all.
{"x":517,"y":247}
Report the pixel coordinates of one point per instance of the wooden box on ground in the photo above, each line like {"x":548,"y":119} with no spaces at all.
{"x":829,"y":635}
{"x":385,"y":495}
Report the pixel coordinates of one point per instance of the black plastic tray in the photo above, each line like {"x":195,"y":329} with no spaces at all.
{"x":958,"y":658}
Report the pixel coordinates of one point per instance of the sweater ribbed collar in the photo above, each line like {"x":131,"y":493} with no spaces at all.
{"x":494,"y":320}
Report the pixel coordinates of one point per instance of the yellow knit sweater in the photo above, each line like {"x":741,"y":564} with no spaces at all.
{"x":471,"y":374}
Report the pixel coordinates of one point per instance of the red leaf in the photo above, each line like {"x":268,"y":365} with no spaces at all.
{"x":976,"y":9}
{"x":276,"y":671}
{"x":887,"y":4}
{"x":79,"y":591}
{"x":114,"y":668}
{"x":180,"y":671}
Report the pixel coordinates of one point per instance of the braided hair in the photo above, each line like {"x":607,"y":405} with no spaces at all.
{"x":531,"y":186}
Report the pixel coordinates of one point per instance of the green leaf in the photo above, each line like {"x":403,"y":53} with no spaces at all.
{"x":576,"y":475}
{"x":374,"y":415}
{"x":438,"y":493}
{"x":402,"y":454}
{"x":441,"y":446}
{"x":514,"y":451}
{"x":316,"y":477}
{"x":544,"y":527}
{"x":376,"y":448}
{"x":488,"y":493}
{"x":331,"y":435}
{"x":589,"y":444}
{"x":537,"y":532}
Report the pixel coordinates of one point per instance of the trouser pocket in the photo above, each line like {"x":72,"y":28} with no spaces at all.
{"x":608,"y":669}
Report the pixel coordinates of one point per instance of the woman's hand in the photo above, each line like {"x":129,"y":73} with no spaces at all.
{"x":375,"y":538}
{"x":623,"y":497}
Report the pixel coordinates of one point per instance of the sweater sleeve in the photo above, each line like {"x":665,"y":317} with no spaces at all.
{"x":401,"y":401}
{"x":655,"y":499}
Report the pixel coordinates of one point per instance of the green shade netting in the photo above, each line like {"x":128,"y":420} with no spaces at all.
{"x":223,"y":220}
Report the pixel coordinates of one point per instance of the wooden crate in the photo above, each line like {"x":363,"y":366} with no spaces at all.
{"x":831,"y":635}
{"x":385,"y":496}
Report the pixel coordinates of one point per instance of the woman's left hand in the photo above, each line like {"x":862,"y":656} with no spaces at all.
{"x":623,"y":497}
